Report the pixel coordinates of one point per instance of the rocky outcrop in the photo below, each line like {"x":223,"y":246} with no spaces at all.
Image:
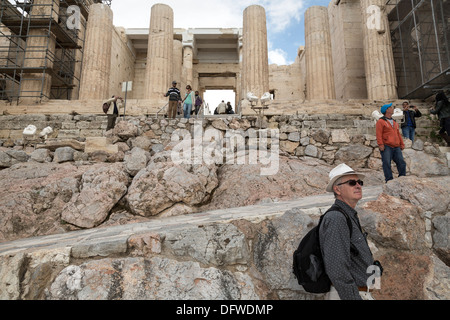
{"x":231,"y":258}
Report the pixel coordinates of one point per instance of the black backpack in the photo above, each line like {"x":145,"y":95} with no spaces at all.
{"x":308,"y":263}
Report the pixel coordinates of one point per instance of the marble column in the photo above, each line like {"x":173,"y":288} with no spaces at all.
{"x":177,"y":61}
{"x":96,"y":73}
{"x":378,"y":55}
{"x":318,"y":55}
{"x":255,"y":60}
{"x":40,"y":51}
{"x":159,"y":74}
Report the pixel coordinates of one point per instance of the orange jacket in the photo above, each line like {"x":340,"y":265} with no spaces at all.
{"x":389,"y":135}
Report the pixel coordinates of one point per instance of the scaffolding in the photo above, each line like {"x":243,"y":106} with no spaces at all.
{"x":420,"y":31}
{"x":41,"y":48}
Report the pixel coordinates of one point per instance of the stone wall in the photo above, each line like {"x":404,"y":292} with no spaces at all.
{"x":333,"y":138}
{"x":122,"y":63}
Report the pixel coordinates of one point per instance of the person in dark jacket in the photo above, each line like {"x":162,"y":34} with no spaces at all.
{"x":409,"y":126}
{"x":442,"y":109}
{"x":174,"y":100}
{"x":347,"y":256}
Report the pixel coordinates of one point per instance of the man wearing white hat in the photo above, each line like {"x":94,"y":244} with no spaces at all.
{"x":346,"y":253}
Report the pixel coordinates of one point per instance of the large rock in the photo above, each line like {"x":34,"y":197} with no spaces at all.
{"x":295,"y":178}
{"x":395,"y":223}
{"x":217,"y":244}
{"x":161,"y":185}
{"x":441,"y":237}
{"x":156,"y":278}
{"x":32,"y":198}
{"x":425,"y":193}
{"x":354,"y":155}
{"x":101,"y":189}
{"x":424,"y":164}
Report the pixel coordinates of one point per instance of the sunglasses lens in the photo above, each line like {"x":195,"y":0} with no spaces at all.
{"x":353,"y":183}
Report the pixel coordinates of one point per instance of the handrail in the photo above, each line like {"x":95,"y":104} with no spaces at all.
{"x":157,"y":113}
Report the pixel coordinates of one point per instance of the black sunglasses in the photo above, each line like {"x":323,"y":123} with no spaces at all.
{"x":353,"y":183}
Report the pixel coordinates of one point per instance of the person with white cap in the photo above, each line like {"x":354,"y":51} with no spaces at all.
{"x":390,"y":142}
{"x":346,"y":253}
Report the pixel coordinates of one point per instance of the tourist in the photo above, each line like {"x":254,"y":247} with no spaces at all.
{"x":174,"y":100}
{"x":112,"y":113}
{"x":229,"y":108}
{"x":222,"y":108}
{"x":189,"y":99}
{"x":442,"y":109}
{"x":390,"y":143}
{"x":198,"y":102}
{"x":409,"y":126}
{"x":346,"y":253}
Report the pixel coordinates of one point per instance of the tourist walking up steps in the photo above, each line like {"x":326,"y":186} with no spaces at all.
{"x":112,"y":113}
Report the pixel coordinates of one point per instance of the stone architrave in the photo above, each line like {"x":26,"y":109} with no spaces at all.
{"x":40,"y":47}
{"x":96,"y":73}
{"x":160,"y":53}
{"x":319,"y":58}
{"x":255,"y":57}
{"x":378,"y":54}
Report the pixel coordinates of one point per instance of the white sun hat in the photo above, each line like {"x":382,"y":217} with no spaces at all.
{"x":340,"y":171}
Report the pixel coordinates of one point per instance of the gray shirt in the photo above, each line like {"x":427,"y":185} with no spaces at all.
{"x":346,"y":270}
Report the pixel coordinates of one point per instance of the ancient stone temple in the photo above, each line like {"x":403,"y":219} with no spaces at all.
{"x":354,"y":50}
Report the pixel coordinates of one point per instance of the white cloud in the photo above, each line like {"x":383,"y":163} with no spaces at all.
{"x":279,"y":57}
{"x":212,"y":13}
{"x":281,"y":14}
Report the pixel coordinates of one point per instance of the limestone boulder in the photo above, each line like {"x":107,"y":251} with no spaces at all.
{"x":11,"y":157}
{"x":216,"y":244}
{"x":354,"y":155}
{"x":396,"y":223}
{"x":423,"y":164}
{"x":441,"y":237}
{"x":124,"y":130}
{"x":274,"y":245}
{"x":156,"y":278}
{"x":429,"y":194}
{"x":33,"y":196}
{"x":101,"y":188}
{"x":295,"y":178}
{"x":161,"y":185}
{"x":136,"y":160}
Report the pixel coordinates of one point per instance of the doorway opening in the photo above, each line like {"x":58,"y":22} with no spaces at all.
{"x":214,"y":97}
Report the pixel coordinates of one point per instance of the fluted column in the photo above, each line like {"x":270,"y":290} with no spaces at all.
{"x":39,"y":51}
{"x":318,"y":55}
{"x":160,"y":53}
{"x":177,"y":61}
{"x":378,"y":55}
{"x":96,"y":71}
{"x":255,"y":60}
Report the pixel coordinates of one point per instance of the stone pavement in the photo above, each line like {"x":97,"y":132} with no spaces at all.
{"x":113,"y":240}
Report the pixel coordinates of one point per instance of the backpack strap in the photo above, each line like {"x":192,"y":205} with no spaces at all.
{"x":335,"y":207}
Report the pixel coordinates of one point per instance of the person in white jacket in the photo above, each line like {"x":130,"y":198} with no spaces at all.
{"x":112,"y":113}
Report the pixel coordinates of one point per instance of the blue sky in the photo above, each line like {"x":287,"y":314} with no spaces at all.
{"x":285,"y":19}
